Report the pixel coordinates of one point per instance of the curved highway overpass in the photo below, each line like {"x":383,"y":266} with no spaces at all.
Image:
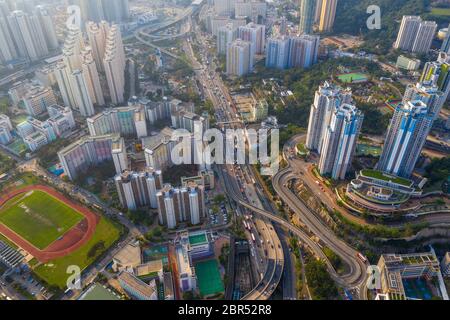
{"x":355,"y":278}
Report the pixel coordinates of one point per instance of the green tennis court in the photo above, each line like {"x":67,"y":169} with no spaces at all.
{"x":209,"y":280}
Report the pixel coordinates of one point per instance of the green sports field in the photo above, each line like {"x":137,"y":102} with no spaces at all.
{"x":39,"y":218}
{"x":366,"y":150}
{"x":54,"y":272}
{"x":352,"y":77}
{"x":209,"y":280}
{"x":440,"y":11}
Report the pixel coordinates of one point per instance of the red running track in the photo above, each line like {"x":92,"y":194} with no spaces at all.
{"x":72,"y":240}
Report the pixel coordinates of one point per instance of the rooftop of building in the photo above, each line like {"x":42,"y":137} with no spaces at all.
{"x":379,"y":175}
{"x":409,"y":259}
{"x":154,"y":141}
{"x":98,"y":292}
{"x":168,"y":284}
{"x":130,"y":255}
{"x":151,"y":268}
{"x":88,"y":139}
{"x":136,"y":284}
{"x":184,"y":264}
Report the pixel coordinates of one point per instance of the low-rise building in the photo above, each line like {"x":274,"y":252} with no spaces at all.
{"x":35,"y":141}
{"x":250,"y":108}
{"x":380,"y":192}
{"x":445,"y":265}
{"x":406,"y":63}
{"x":5,"y":135}
{"x":204,"y":178}
{"x":186,"y":272}
{"x":150,"y":270}
{"x":37,"y":99}
{"x":394,"y":268}
{"x":61,"y":119}
{"x":136,"y":288}
{"x":128,"y":258}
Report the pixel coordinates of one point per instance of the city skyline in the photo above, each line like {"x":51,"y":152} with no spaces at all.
{"x":224,"y":150}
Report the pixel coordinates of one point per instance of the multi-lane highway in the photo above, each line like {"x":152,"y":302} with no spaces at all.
{"x":266,"y":239}
{"x":216,"y":91}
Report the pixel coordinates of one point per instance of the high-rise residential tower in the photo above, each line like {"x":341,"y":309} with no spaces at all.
{"x":114,"y":65}
{"x":303,"y":51}
{"x":307,"y":15}
{"x":415,"y":35}
{"x":97,"y":41}
{"x":226,"y":35}
{"x":339,"y":142}
{"x":255,"y":34}
{"x":407,"y":133}
{"x":239,"y":58}
{"x":327,"y":15}
{"x":91,"y":76}
{"x":277,"y":53}
{"x":327,"y":99}
{"x":48,"y":28}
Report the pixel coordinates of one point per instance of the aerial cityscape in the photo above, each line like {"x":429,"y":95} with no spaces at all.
{"x":233,"y":150}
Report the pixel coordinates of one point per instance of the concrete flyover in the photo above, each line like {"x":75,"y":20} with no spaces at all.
{"x":140,"y":35}
{"x":275,"y":260}
{"x":355,"y":277}
{"x":348,"y":280}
